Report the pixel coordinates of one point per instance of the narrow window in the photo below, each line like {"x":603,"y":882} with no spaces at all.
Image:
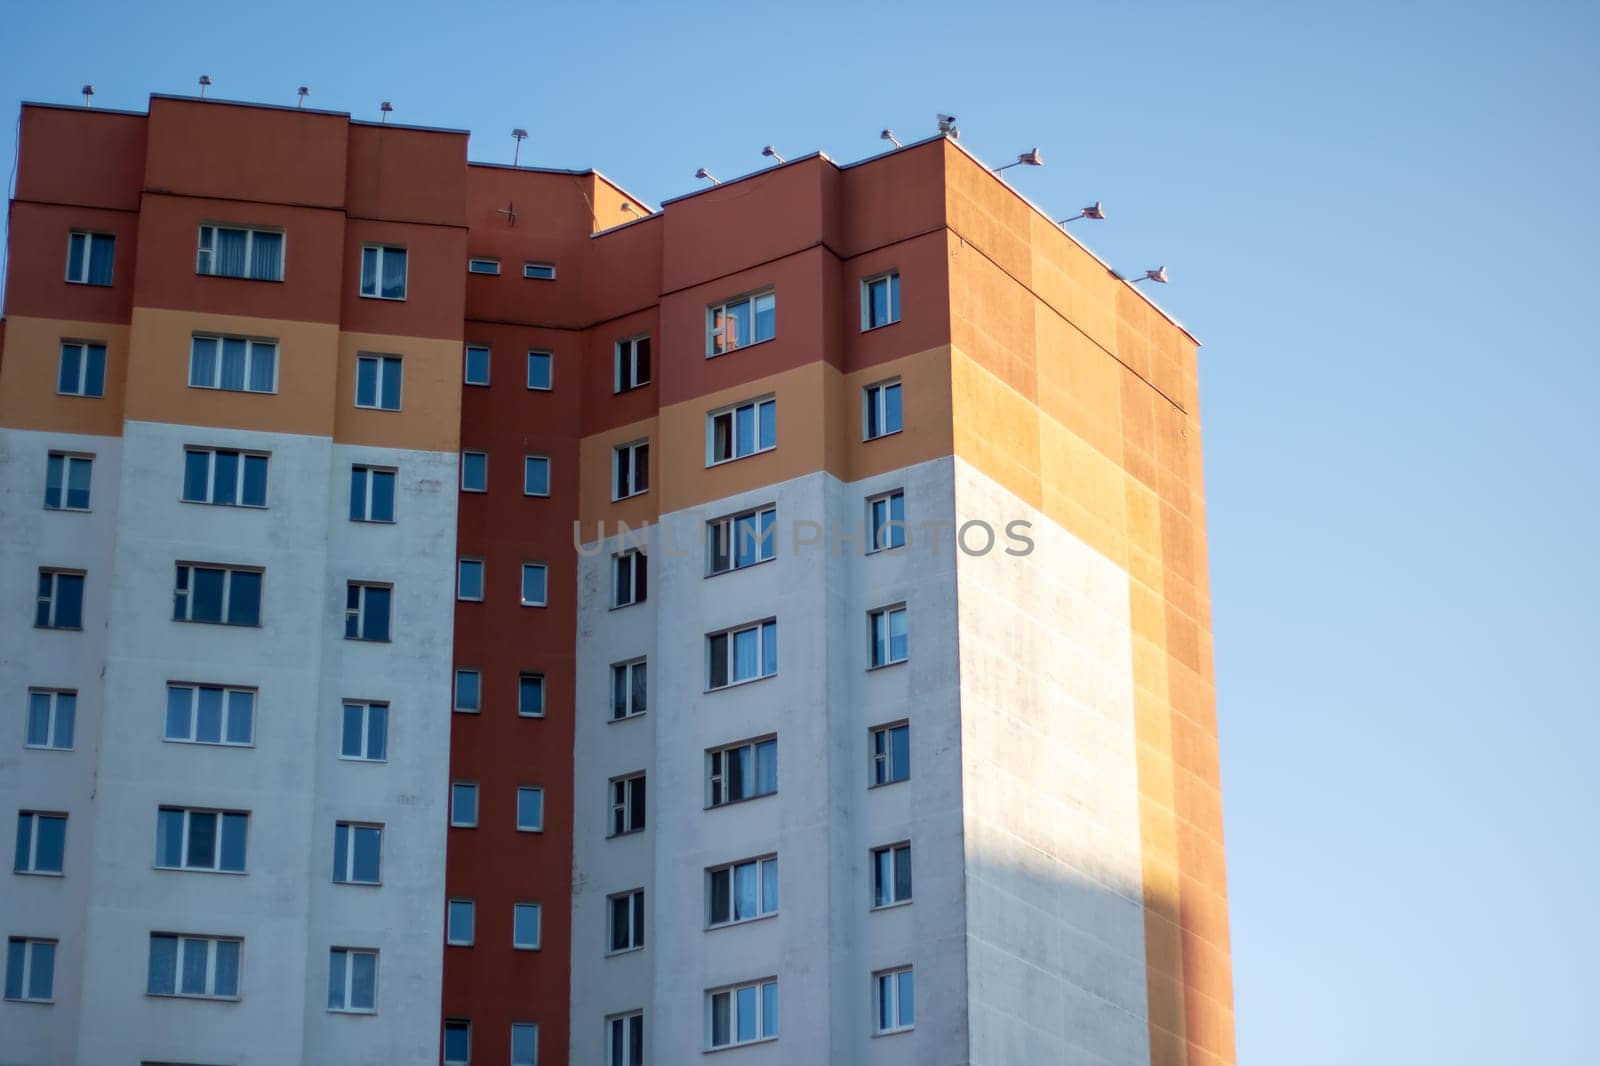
{"x":535,"y":584}
{"x":525,"y":926}
{"x":210,"y":714}
{"x":896,"y":996}
{"x":888,"y":635}
{"x":625,"y":921}
{"x":628,"y":578}
{"x":524,"y":1044}
{"x":469,"y":579}
{"x":741,"y":540}
{"x":891,"y":753}
{"x":221,"y":595}
{"x":89,"y":258}
{"x":741,"y":771}
{"x":52,"y":718}
{"x":891,"y":875}
{"x":366,"y":611}
{"x":880,"y":410}
{"x":886,"y":521}
{"x":880,"y":300}
{"x":530,"y":695}
{"x":378,"y":382}
{"x":740,"y":322}
{"x":193,"y":966}
{"x":539,"y":271}
{"x":628,"y":688}
{"x":371,"y":494}
{"x":741,"y":1014}
{"x":742,"y":654}
{"x":236,"y":252}
{"x":460,"y":919}
{"x":457,"y":1042}
{"x":627,"y":804}
{"x":630,"y":470}
{"x":480,"y":265}
{"x":632,"y":364}
{"x":469,"y":691}
{"x":193,"y":839}
{"x":474,"y":471}
{"x":477,"y":365}
{"x":364,"y":731}
{"x":357,"y":854}
{"x":540,"y":370}
{"x":224,"y":477}
{"x":625,"y":1039}
{"x":41,"y":843}
{"x":745,"y":429}
{"x":742,"y":891}
{"x":530,"y":809}
{"x":66,"y":481}
{"x":383,"y":272}
{"x":30,"y":969}
{"x":233,"y":364}
{"x":464,"y":804}
{"x":60,"y":600}
{"x":82,"y":370}
{"x":352,"y":980}
{"x":536,"y":475}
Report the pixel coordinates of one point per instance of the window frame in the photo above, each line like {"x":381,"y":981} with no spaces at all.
{"x":476,"y":707}
{"x":52,"y":601}
{"x":377,"y":279}
{"x":463,"y":565}
{"x":250,"y":233}
{"x":631,"y":450}
{"x":890,"y":526}
{"x":81,"y":351}
{"x":530,"y":462}
{"x":538,"y":926}
{"x":29,"y":947}
{"x":360,"y":614}
{"x":344,"y":861}
{"x":729,"y":636}
{"x":382,"y":361}
{"x":716,"y":335}
{"x":217,"y":840}
{"x":525,"y":1026}
{"x":543,"y":570}
{"x":875,"y":645}
{"x":53,"y":718}
{"x":67,"y":462}
{"x":366,"y":707}
{"x":624,"y":671}
{"x":762,"y":864}
{"x":180,"y":948}
{"x":28,"y":865}
{"x":451,"y":934}
{"x":462,"y":1026}
{"x":757,"y":407}
{"x":466,"y":365}
{"x":634,"y":588}
{"x":886,"y":892}
{"x":725,"y":533}
{"x":476,"y":454}
{"x":349,"y":980}
{"x":717,"y":779}
{"x":628,"y":1027}
{"x":885,"y":758}
{"x":891,"y":978}
{"x":625,"y":363}
{"x":490,"y":264}
{"x":536,"y":790}
{"x":533,"y":270}
{"x":370,"y":472}
{"x":891,"y":278}
{"x":550,"y":365}
{"x":524,"y":676}
{"x":634,"y":903}
{"x":760,"y":987}
{"x":227,"y":694}
{"x":184,"y":584}
{"x":251,"y":344}
{"x":620,"y":804}
{"x":456,"y":822}
{"x":875,"y":408}
{"x":90,"y":239}
{"x":242,"y":455}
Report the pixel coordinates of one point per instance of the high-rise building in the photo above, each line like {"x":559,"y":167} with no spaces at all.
{"x":827,"y":676}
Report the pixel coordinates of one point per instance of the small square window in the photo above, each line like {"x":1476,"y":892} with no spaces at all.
{"x":89,"y":258}
{"x":371,"y":494}
{"x":474,"y":471}
{"x":530,"y":695}
{"x":378,"y":380}
{"x":539,"y":271}
{"x":30,"y":970}
{"x":41,"y":843}
{"x":364,"y":731}
{"x":66,"y":481}
{"x":60,"y":601}
{"x":540,"y":369}
{"x":483,"y":266}
{"x":82,"y":369}
{"x":469,"y":691}
{"x":352,"y":981}
{"x":52,"y":718}
{"x":383,"y":272}
{"x":357,"y":854}
{"x":366,"y":611}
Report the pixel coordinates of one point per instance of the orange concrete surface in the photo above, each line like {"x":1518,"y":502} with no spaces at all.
{"x":28,"y":377}
{"x":429,"y":418}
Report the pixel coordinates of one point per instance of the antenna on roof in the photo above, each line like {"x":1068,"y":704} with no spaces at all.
{"x":706,"y":174}
{"x":88,"y":95}
{"x":772,"y":153}
{"x":300,"y":97}
{"x":888,"y":135}
{"x":205,"y":83}
{"x":518,"y":135}
{"x":385,"y":108}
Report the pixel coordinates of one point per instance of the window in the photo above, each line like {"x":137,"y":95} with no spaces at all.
{"x":483,"y":266}
{"x":474,"y":471}
{"x":524,"y":1044}
{"x":469,"y":691}
{"x":625,"y":1039}
{"x":378,"y":381}
{"x":740,"y":431}
{"x":223,"y":476}
{"x":530,"y":695}
{"x":210,"y":714}
{"x":383,"y":272}
{"x":41,"y":843}
{"x":464,"y":804}
{"x":60,"y":601}
{"x":30,"y":969}
{"x":66,"y":481}
{"x":188,"y":839}
{"x":628,"y":689}
{"x":742,"y":654}
{"x":888,"y":635}
{"x":742,"y":1014}
{"x":742,"y":891}
{"x":530,"y":809}
{"x":364,"y":731}
{"x":233,"y":252}
{"x":89,"y":257}
{"x":630,"y":470}
{"x":52,"y":718}
{"x":525,"y":926}
{"x":371,"y":494}
{"x":896,"y":996}
{"x":880,"y":300}
{"x":539,"y":271}
{"x":891,"y":875}
{"x":880,"y":410}
{"x":535,"y":475}
{"x":742,"y":771}
{"x":352,"y":980}
{"x":457,"y":1042}
{"x":741,"y":540}
{"x":82,"y":371}
{"x":535,"y":585}
{"x":223,"y":595}
{"x":629,"y":571}
{"x":886,"y":518}
{"x":539,"y":370}
{"x":459,"y":921}
{"x":469,"y":579}
{"x":477,"y":365}
{"x":632,"y":364}
{"x":625,"y":921}
{"x":357,"y":854}
{"x":737,"y":323}
{"x":366,"y":611}
{"x":198,"y":966}
{"x":627,"y":804}
{"x":233,"y":364}
{"x":891,"y":753}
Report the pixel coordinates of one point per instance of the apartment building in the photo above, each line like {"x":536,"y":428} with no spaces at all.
{"x":828,"y":675}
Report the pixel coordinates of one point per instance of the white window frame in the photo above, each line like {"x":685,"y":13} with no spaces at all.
{"x":29,"y":947}
{"x":717,"y":776}
{"x":216,"y":843}
{"x":726,"y":532}
{"x":526,"y":675}
{"x":619,"y":806}
{"x":366,"y":503}
{"x":53,"y":729}
{"x":184,"y":942}
{"x":551,"y":359}
{"x":880,"y":647}
{"x":228,"y":573}
{"x":530,"y":462}
{"x":484,"y":265}
{"x":360,"y":611}
{"x":452,"y":936}
{"x":466,"y":364}
{"x":625,"y":671}
{"x":890,"y":979}
{"x":522,"y":592}
{"x":891,"y":278}
{"x":523,"y":827}
{"x":90,"y":239}
{"x":716,"y":334}
{"x":345,"y":874}
{"x":463,"y":1025}
{"x":875,"y":408}
{"x":537,"y":270}
{"x":627,"y":456}
{"x":761,"y":988}
{"x":731,"y":634}
{"x":765,"y":866}
{"x":881,"y":533}
{"x":194,"y":688}
{"x":31,"y":860}
{"x":881,"y":764}
{"x":456,"y":821}
{"x":238,"y":475}
{"x":456,"y":704}
{"x":367,"y":707}
{"x":207,"y":247}
{"x":534,"y":1027}
{"x":629,"y":578}
{"x":382,"y":363}
{"x":251,"y":344}
{"x":347,"y":994}
{"x":758,"y":407}
{"x":80,"y":350}
{"x":625,"y":375}
{"x":53,"y":598}
{"x":465,"y":453}
{"x":463,"y":564}
{"x":377,"y":275}
{"x":635,"y":927}
{"x":620,"y":1038}
{"x":68,"y":461}
{"x":885,"y":893}
{"x":538,"y":926}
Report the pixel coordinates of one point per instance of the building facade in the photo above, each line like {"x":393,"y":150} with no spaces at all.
{"x":777,"y":623}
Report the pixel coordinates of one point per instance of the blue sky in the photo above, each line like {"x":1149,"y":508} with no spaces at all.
{"x":1378,"y":217}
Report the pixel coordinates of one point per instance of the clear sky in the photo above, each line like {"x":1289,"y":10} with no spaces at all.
{"x":1379,"y":217}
